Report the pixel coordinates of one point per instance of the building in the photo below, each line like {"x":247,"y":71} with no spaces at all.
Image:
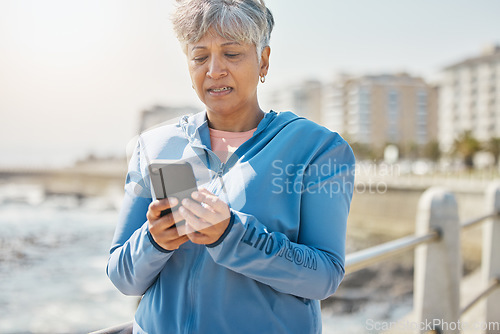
{"x":163,"y":115}
{"x":303,"y":98}
{"x":376,"y":110}
{"x":469,"y":98}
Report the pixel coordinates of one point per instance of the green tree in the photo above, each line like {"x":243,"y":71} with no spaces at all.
{"x":493,"y":146}
{"x":409,"y":150}
{"x":466,"y":146}
{"x":361,"y":151}
{"x":431,"y":151}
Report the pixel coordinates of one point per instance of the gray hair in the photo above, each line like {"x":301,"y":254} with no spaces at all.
{"x":248,"y":21}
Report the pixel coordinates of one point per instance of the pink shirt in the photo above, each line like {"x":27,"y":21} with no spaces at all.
{"x":224,"y":143}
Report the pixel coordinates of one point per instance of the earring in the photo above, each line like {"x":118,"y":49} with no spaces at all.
{"x":262,"y":78}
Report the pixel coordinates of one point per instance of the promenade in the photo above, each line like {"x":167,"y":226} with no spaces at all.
{"x":384,"y":208}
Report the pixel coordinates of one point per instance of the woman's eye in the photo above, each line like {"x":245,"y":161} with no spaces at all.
{"x":199,"y":59}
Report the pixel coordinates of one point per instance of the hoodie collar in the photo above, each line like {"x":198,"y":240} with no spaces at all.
{"x":195,"y":127}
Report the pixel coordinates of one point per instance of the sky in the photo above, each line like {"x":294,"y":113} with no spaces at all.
{"x":74,"y":75}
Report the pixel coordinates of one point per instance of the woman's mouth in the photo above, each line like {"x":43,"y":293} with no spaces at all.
{"x":219,"y":91}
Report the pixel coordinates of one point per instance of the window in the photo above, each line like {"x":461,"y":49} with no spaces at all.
{"x":392,"y":115}
{"x":421,"y":117}
{"x":364,"y":114}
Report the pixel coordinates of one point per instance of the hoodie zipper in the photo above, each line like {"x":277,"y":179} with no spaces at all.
{"x":199,"y":256}
{"x":192,"y":288}
{"x":218,"y":175}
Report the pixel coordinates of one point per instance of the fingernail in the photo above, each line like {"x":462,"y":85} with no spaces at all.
{"x":173,"y":200}
{"x":196,"y":195}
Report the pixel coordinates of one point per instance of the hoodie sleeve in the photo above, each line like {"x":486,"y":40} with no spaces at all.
{"x":135,"y":259}
{"x":312,"y":267}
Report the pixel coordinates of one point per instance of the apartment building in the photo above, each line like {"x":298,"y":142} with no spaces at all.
{"x":303,"y":98}
{"x":469,"y":98}
{"x":376,"y":110}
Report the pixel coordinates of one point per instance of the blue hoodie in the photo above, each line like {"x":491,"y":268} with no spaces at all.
{"x":289,"y":189}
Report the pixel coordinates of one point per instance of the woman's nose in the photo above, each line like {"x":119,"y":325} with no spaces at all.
{"x":216,"y":68}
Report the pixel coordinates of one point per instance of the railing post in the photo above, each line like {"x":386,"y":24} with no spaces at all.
{"x":437,"y":277}
{"x":490,"y":264}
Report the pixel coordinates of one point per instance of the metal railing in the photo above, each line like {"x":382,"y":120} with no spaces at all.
{"x":436,"y":243}
{"x":366,"y":257}
{"x":495,"y":284}
{"x":437,"y":247}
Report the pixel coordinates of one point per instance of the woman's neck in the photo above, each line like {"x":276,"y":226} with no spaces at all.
{"x":234,"y":123}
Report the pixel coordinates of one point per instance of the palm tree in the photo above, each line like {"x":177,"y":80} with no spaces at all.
{"x":466,"y":145}
{"x":493,"y":146}
{"x":431,"y":151}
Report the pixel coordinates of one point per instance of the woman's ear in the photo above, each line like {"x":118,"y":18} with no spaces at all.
{"x":264,"y":60}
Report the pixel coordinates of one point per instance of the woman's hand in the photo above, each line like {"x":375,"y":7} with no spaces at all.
{"x":207,"y":217}
{"x":161,"y":227}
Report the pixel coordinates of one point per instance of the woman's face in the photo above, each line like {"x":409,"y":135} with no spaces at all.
{"x":225,"y":74}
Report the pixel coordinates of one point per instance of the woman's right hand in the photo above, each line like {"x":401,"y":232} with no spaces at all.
{"x":161,"y":227}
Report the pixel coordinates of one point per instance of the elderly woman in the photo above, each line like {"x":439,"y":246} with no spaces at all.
{"x":264,"y":240}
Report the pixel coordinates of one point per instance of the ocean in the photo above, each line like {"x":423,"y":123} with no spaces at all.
{"x":53,"y":257}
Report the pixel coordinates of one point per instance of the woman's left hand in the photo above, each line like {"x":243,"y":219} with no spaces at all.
{"x":207,"y":217}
